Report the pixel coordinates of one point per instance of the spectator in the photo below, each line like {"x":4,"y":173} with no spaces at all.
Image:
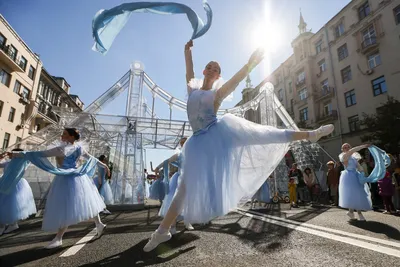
{"x":310,"y":181}
{"x":333,"y":182}
{"x":396,"y":182}
{"x":386,"y":191}
{"x":297,"y":176}
{"x":292,"y":193}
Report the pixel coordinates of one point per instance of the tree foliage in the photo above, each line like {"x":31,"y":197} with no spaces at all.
{"x":384,"y":126}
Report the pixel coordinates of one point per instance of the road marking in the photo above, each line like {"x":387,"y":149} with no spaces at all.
{"x":343,"y":239}
{"x":80,"y":244}
{"x":326,"y":229}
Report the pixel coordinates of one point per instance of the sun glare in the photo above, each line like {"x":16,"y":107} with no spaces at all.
{"x":267,"y":34}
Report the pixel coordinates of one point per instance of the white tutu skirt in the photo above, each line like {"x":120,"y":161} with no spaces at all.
{"x":157,"y":190}
{"x":263,"y":194}
{"x":19,"y":204}
{"x":353,"y":194}
{"x":227,"y":162}
{"x":173,"y":184}
{"x":105,"y":191}
{"x":71,"y":199}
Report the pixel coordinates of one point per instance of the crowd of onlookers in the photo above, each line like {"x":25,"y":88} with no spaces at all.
{"x":304,"y":187}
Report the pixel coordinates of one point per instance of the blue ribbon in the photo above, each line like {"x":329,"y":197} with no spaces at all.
{"x":16,"y":168}
{"x":382,"y":160}
{"x":107,"y":24}
{"x":166,"y":176}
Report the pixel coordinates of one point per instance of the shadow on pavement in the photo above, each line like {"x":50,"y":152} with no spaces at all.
{"x":377,"y":227}
{"x":135,"y":256}
{"x":27,"y":255}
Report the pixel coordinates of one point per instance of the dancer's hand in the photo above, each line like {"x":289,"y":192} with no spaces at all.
{"x":256,"y":58}
{"x":189,"y":45}
{"x":367,"y":145}
{"x":157,"y":171}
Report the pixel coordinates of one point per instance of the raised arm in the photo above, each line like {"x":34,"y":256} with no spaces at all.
{"x":53,"y":152}
{"x":231,"y":84}
{"x":189,"y":63}
{"x":347,"y":155}
{"x":170,"y":160}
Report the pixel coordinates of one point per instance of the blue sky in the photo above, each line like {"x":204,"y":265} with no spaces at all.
{"x":61,"y":33}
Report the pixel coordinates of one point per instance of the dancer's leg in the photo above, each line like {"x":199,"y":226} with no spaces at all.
{"x":350,"y":213}
{"x":57,"y":241}
{"x":162,"y":234}
{"x":99,"y":225}
{"x":360,"y":216}
{"x":12,"y":227}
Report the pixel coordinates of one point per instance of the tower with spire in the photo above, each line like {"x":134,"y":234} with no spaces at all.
{"x":302,"y":24}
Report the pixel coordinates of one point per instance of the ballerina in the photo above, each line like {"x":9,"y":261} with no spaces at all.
{"x":352,"y":194}
{"x":72,"y":196}
{"x":17,"y":205}
{"x":225,"y":159}
{"x":102,"y":184}
{"x":175,"y":160}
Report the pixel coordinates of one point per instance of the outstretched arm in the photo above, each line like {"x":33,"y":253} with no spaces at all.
{"x":348,"y":154}
{"x":170,"y":160}
{"x":189,"y":63}
{"x":231,"y":84}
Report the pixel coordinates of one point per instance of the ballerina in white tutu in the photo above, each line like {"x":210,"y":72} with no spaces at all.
{"x":72,"y":196}
{"x":226,"y":159}
{"x":17,"y":205}
{"x":175,"y":160}
{"x":353,"y":195}
{"x":102,"y":184}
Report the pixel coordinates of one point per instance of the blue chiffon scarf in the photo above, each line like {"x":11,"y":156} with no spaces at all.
{"x":107,"y":24}
{"x":16,"y":168}
{"x":382,"y":161}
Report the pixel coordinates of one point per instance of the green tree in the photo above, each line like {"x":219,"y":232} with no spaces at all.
{"x":384,"y":126}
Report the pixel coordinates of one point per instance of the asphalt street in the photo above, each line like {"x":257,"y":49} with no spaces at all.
{"x":270,"y":236}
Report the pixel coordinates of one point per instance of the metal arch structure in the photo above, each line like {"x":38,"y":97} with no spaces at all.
{"x":123,"y":138}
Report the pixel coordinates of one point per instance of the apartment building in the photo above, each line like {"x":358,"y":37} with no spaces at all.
{"x":20,"y":70}
{"x":348,"y":67}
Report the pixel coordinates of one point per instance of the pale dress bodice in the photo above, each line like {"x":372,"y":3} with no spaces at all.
{"x":200,"y":109}
{"x":352,"y":163}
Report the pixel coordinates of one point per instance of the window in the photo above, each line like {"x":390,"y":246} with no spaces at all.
{"x":325,"y":85}
{"x":379,"y":86}
{"x":17,"y":87}
{"x":346,"y":74}
{"x":342,"y":52}
{"x":280,"y":94}
{"x":23,"y":62}
{"x":396,"y":12}
{"x":1,"y":107}
{"x":11,"y":114}
{"x":31,"y":73}
{"x":301,"y":77}
{"x":369,"y":36}
{"x":290,"y":87}
{"x":6,"y":140}
{"x":303,"y":94}
{"x":318,"y":47}
{"x":322,"y":66}
{"x":339,"y":30}
{"x":350,"y":98}
{"x":5,"y":77}
{"x":2,"y":41}
{"x":304,"y":114}
{"x":12,"y":52}
{"x":364,"y":10}
{"x":25,"y":93}
{"x":328,"y":109}
{"x":354,"y":123}
{"x":19,"y":139}
{"x":374,"y":60}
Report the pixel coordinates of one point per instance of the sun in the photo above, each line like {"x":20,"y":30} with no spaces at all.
{"x":266,"y":33}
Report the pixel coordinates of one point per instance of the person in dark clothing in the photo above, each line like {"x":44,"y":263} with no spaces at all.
{"x":296,"y":173}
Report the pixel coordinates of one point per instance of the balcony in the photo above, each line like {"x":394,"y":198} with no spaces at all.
{"x":368,"y":44}
{"x":325,"y":118}
{"x":9,"y":58}
{"x":324,"y":93}
{"x":300,"y":83}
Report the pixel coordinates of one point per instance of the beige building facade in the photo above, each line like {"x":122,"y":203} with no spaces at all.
{"x":30,"y":98}
{"x":347,"y":68}
{"x":20,"y":70}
